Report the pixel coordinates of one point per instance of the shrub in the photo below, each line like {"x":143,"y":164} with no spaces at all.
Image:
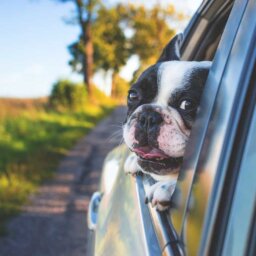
{"x":67,"y":95}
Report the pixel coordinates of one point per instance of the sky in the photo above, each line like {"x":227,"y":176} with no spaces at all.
{"x":33,"y":45}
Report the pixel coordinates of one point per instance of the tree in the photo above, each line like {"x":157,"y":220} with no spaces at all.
{"x":111,"y":49}
{"x":110,"y":44}
{"x":148,"y":29}
{"x":151,"y":31}
{"x":82,"y":50}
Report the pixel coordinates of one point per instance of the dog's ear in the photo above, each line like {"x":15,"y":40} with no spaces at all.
{"x":172,"y":49}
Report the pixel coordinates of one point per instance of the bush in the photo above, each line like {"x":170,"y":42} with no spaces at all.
{"x":67,"y":95}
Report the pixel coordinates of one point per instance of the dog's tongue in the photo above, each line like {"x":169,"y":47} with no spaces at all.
{"x":149,"y":153}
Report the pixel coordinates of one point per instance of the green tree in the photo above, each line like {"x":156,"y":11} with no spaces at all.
{"x":122,"y":87}
{"x":82,"y":51}
{"x":121,"y":31}
{"x":151,"y":31}
{"x":111,"y":49}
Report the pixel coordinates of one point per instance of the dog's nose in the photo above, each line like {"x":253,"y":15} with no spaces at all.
{"x":148,"y":120}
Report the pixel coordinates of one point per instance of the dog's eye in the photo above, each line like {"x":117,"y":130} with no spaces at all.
{"x":132,"y":95}
{"x":187,"y":105}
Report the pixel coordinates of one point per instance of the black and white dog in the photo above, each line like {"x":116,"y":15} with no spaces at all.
{"x":162,"y":105}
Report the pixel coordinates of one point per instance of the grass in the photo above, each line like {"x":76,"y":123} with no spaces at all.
{"x":33,"y":139}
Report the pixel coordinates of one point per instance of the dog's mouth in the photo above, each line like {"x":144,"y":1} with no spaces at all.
{"x":150,"y":153}
{"x":154,"y":159}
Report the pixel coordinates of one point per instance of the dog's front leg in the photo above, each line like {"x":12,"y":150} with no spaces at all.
{"x":160,"y":194}
{"x":131,"y":166}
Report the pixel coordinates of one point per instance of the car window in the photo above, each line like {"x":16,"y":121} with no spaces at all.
{"x":210,"y":157}
{"x":167,"y":235}
{"x":170,"y":235}
{"x":202,"y":36}
{"x":203,"y":117}
{"x":214,"y":132}
{"x":242,"y":212}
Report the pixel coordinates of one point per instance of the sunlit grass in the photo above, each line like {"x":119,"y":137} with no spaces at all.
{"x":32,"y":143}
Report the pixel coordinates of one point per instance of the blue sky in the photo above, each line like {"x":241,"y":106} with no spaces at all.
{"x":33,"y":45}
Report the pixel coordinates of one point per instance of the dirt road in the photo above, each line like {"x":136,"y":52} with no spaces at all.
{"x":54,"y":222}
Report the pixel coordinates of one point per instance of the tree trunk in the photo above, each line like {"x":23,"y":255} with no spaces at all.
{"x":88,"y":69}
{"x":113,"y":84}
{"x":88,"y":45}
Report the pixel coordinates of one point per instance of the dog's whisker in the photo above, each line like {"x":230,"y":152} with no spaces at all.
{"x":116,"y":125}
{"x":117,"y":135}
{"x":121,"y":142}
{"x":119,"y":124}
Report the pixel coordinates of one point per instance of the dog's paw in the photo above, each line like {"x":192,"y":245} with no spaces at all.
{"x":160,"y":194}
{"x":130,"y":165}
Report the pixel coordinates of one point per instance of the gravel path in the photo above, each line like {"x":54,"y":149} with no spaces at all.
{"x":54,"y":222}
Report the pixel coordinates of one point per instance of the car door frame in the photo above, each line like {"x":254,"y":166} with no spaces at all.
{"x":206,"y":141}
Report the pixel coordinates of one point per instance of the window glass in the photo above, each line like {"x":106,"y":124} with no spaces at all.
{"x":243,"y":204}
{"x":214,"y":132}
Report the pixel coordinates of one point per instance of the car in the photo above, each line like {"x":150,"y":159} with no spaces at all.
{"x":213,"y":210}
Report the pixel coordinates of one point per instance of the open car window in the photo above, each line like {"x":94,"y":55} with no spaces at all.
{"x":202,"y":35}
{"x":200,"y":43}
{"x":187,"y":223}
{"x":212,"y":139}
{"x":239,"y":213}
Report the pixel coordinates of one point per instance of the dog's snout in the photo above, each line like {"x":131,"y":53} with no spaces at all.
{"x":148,"y":120}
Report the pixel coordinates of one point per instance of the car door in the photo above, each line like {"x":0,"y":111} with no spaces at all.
{"x":123,"y":225}
{"x":208,"y":186}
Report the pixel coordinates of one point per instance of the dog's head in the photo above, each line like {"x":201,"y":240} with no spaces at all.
{"x":162,"y":105}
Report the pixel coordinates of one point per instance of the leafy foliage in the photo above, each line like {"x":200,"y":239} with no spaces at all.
{"x":85,"y":16}
{"x":123,"y":30}
{"x":67,"y":95}
{"x":110,"y":44}
{"x":111,"y":35}
{"x":121,"y":87}
{"x":77,"y":51}
{"x":151,"y":31}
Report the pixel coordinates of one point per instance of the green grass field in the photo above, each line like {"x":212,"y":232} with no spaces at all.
{"x":32,"y":142}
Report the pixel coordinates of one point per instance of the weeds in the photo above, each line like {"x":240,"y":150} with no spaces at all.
{"x":32,"y":142}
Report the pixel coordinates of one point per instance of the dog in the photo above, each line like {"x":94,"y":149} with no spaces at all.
{"x":162,"y":106}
